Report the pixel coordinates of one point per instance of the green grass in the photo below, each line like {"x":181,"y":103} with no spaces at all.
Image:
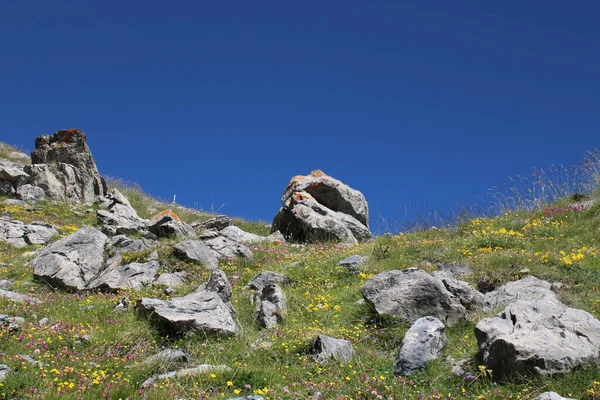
{"x":90,"y":352}
{"x":13,"y":154}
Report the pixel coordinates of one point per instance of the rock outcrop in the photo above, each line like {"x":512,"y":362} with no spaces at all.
{"x":63,"y":166}
{"x":422,"y":343}
{"x":19,"y":234}
{"x":206,"y":310}
{"x":540,"y":337}
{"x":119,"y":217}
{"x":318,"y":207}
{"x":131,"y":276}
{"x":325,"y":348}
{"x":196,"y":251}
{"x":412,"y":293}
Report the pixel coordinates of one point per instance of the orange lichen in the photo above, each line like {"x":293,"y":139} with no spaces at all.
{"x":317,"y":173}
{"x":165,"y":213}
{"x":299,"y":196}
{"x":66,"y":136}
{"x":295,"y":180}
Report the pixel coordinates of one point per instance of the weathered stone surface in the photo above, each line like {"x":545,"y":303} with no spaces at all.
{"x":270,"y":306}
{"x":236,"y":234}
{"x":551,"y":396}
{"x":216,"y":223}
{"x":329,"y":192}
{"x":353,"y":263}
{"x":470,"y":298}
{"x":16,"y":202}
{"x":6,"y":285}
{"x":202,"y":311}
{"x":31,"y":193}
{"x":227,"y":249}
{"x":6,"y":188}
{"x":251,"y":397}
{"x":528,"y":288}
{"x":120,"y":217}
{"x":169,"y":356}
{"x":123,"y":243}
{"x":167,"y":224}
{"x":18,"y":297}
{"x":172,"y":280}
{"x":457,"y":270}
{"x":13,"y":172}
{"x":422,"y":343}
{"x":4,"y":371}
{"x":326,"y":347}
{"x":538,"y":336}
{"x":19,"y":234}
{"x":266,"y":278}
{"x":131,"y":276}
{"x":320,"y":208}
{"x":411,"y":294}
{"x":73,"y":261}
{"x":64,"y":167}
{"x":199,"y":369}
{"x":11,"y":323}
{"x":196,"y":251}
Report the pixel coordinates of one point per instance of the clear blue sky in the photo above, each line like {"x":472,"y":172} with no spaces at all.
{"x":224,"y":101}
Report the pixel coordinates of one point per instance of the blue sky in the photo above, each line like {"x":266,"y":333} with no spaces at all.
{"x":223,"y":102}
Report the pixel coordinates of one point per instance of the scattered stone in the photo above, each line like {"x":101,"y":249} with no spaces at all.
{"x":459,"y":367}
{"x":18,"y":297}
{"x":203,"y":310}
{"x":73,"y":261}
{"x":270,"y":306}
{"x":11,"y":323}
{"x":551,"y":396}
{"x":353,"y":263}
{"x":15,"y":202}
{"x":31,"y":193}
{"x":168,"y":224}
{"x":326,"y":347}
{"x":540,"y":336}
{"x":227,"y":249}
{"x":422,"y":343}
{"x":238,"y":235}
{"x":19,"y":234}
{"x":119,"y":217}
{"x":216,"y":223}
{"x":63,"y":166}
{"x":528,"y":288}
{"x":169,"y":356}
{"x":199,"y":369}
{"x":412,"y":293}
{"x":43,"y":322}
{"x":251,"y":397}
{"x":457,"y":270}
{"x":13,"y":172}
{"x":172,"y":280}
{"x":196,"y":251}
{"x":318,"y":207}
{"x":4,"y":371}
{"x":266,"y":278}
{"x":556,"y":286}
{"x":131,"y":276}
{"x":470,"y":298}
{"x":6,"y":285}
{"x":122,"y":305}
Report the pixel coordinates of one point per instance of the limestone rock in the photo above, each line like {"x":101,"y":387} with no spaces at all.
{"x":202,"y":311}
{"x":196,"y":251}
{"x":131,"y":276}
{"x":13,"y":172}
{"x":270,"y":306}
{"x":4,"y":371}
{"x":64,"y":167}
{"x":73,"y":261}
{"x":422,"y":343}
{"x":528,"y":288}
{"x":19,"y":234}
{"x":353,"y":263}
{"x":172,"y":280}
{"x":18,"y":297}
{"x":266,"y":278}
{"x":168,"y":224}
{"x":236,"y":234}
{"x":551,"y":396}
{"x":199,"y":369}
{"x":411,"y":294}
{"x":227,"y":249}
{"x":169,"y":356}
{"x":326,"y":347}
{"x":457,"y":270}
{"x":120,"y":217}
{"x":538,"y":336}
{"x":318,"y":207}
{"x":6,"y":188}
{"x":31,"y":193}
{"x":216,"y":223}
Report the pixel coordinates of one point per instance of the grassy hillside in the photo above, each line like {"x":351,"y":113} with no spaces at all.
{"x":88,"y":351}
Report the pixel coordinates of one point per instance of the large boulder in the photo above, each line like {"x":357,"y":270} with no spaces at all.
{"x":19,"y":234}
{"x":31,"y":193}
{"x":318,"y":207}
{"x":540,"y":337}
{"x":168,"y":224}
{"x":73,"y":261}
{"x":528,"y":288}
{"x":196,"y":251}
{"x":64,"y":167}
{"x":131,"y":276}
{"x":413,"y":293}
{"x":226,"y":248}
{"x":13,"y":172}
{"x":422,"y":343}
{"x":206,"y":310}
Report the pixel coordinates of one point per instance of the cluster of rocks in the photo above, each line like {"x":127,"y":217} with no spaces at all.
{"x":318,"y":207}
{"x":62,"y":169}
{"x":535,"y":333}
